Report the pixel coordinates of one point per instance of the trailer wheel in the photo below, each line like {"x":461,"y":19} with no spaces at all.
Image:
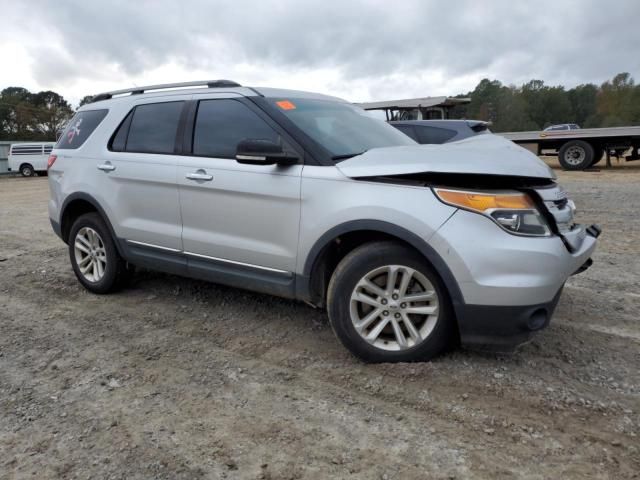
{"x":576,"y":155}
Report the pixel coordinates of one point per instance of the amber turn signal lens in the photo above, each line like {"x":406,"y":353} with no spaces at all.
{"x":481,"y":202}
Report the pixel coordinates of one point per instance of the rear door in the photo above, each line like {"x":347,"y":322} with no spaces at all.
{"x":235,"y":215}
{"x":138,"y":175}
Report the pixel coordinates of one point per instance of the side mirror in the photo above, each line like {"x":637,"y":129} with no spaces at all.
{"x":263,"y":152}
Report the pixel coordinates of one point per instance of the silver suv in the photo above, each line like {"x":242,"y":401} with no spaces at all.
{"x":411,"y":248}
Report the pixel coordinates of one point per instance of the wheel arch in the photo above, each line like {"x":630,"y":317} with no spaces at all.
{"x":78,"y":204}
{"x":312,"y":283}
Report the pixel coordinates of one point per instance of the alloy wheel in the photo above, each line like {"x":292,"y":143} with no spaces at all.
{"x":90,"y":254}
{"x":394,"y":307}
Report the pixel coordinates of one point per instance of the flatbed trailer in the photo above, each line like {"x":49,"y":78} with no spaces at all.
{"x":582,"y":148}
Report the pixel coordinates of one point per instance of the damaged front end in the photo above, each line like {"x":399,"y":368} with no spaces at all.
{"x":487,"y":175}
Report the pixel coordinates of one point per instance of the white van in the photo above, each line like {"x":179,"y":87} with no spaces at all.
{"x":29,"y":158}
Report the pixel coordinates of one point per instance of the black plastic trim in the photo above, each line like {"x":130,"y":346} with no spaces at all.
{"x":594,"y":230}
{"x":223,"y":84}
{"x":303,"y":286}
{"x":88,"y":198}
{"x":239,"y":276}
{"x":56,"y":228}
{"x":281,"y":284}
{"x":189,"y":126}
{"x":585,"y":266}
{"x":503,"y":328}
{"x":153,"y":258}
{"x":100,"y":97}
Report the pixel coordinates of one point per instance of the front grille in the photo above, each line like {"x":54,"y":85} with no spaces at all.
{"x":562,"y":209}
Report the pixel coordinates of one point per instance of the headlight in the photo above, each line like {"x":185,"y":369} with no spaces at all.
{"x":515,"y":212}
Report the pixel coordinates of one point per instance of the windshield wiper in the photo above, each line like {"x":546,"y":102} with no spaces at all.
{"x":345,"y":156}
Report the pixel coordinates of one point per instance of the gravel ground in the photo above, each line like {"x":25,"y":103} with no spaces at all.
{"x":181,"y":379}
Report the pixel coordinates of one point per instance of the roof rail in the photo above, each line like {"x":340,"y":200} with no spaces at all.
{"x":164,"y":86}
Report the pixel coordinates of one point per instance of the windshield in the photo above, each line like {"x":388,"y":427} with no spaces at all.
{"x":343,"y":129}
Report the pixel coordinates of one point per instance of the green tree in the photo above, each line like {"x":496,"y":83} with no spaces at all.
{"x":547,"y":105}
{"x":86,"y":99}
{"x":616,"y":101}
{"x":28,"y":116}
{"x":512,"y":112}
{"x":53,"y":113}
{"x":583,"y":103}
{"x":16,"y":113}
{"x":484,"y":100}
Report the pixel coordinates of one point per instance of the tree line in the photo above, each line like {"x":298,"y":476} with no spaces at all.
{"x":32,"y":116}
{"x":535,"y":105}
{"x":532,"y":106}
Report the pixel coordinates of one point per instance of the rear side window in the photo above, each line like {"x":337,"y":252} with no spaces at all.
{"x":222,"y":124}
{"x":79,"y":128}
{"x":153,"y":128}
{"x":434,"y":134}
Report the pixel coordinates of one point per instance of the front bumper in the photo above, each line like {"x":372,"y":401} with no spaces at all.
{"x":510,"y":285}
{"x":503,"y":328}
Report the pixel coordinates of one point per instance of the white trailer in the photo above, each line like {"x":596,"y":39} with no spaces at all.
{"x":581,"y":148}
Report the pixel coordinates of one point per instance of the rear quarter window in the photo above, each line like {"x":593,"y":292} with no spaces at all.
{"x":80,"y":128}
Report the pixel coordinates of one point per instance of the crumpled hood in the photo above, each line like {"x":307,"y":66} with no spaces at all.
{"x":482,"y":154}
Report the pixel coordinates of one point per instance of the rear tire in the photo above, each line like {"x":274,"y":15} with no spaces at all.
{"x":408,"y":318}
{"x":26,"y":170}
{"x":94,"y":257}
{"x":576,"y":155}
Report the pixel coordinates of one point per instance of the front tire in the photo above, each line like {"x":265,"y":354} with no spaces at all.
{"x":94,"y":257}
{"x":387,"y":304}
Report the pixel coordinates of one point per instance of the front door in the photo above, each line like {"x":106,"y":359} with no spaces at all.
{"x":241,"y":218}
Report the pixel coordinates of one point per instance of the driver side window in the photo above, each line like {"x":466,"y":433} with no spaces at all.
{"x":221,"y":124}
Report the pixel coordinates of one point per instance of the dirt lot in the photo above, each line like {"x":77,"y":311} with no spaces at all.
{"x":180,"y":379}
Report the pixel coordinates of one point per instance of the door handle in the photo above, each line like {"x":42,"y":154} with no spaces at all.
{"x":106,"y":167}
{"x":199,"y":175}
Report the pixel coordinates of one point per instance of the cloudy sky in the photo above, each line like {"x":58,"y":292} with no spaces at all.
{"x":359,"y":50}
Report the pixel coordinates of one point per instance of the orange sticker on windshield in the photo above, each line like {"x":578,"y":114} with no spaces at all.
{"x":286,"y":105}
